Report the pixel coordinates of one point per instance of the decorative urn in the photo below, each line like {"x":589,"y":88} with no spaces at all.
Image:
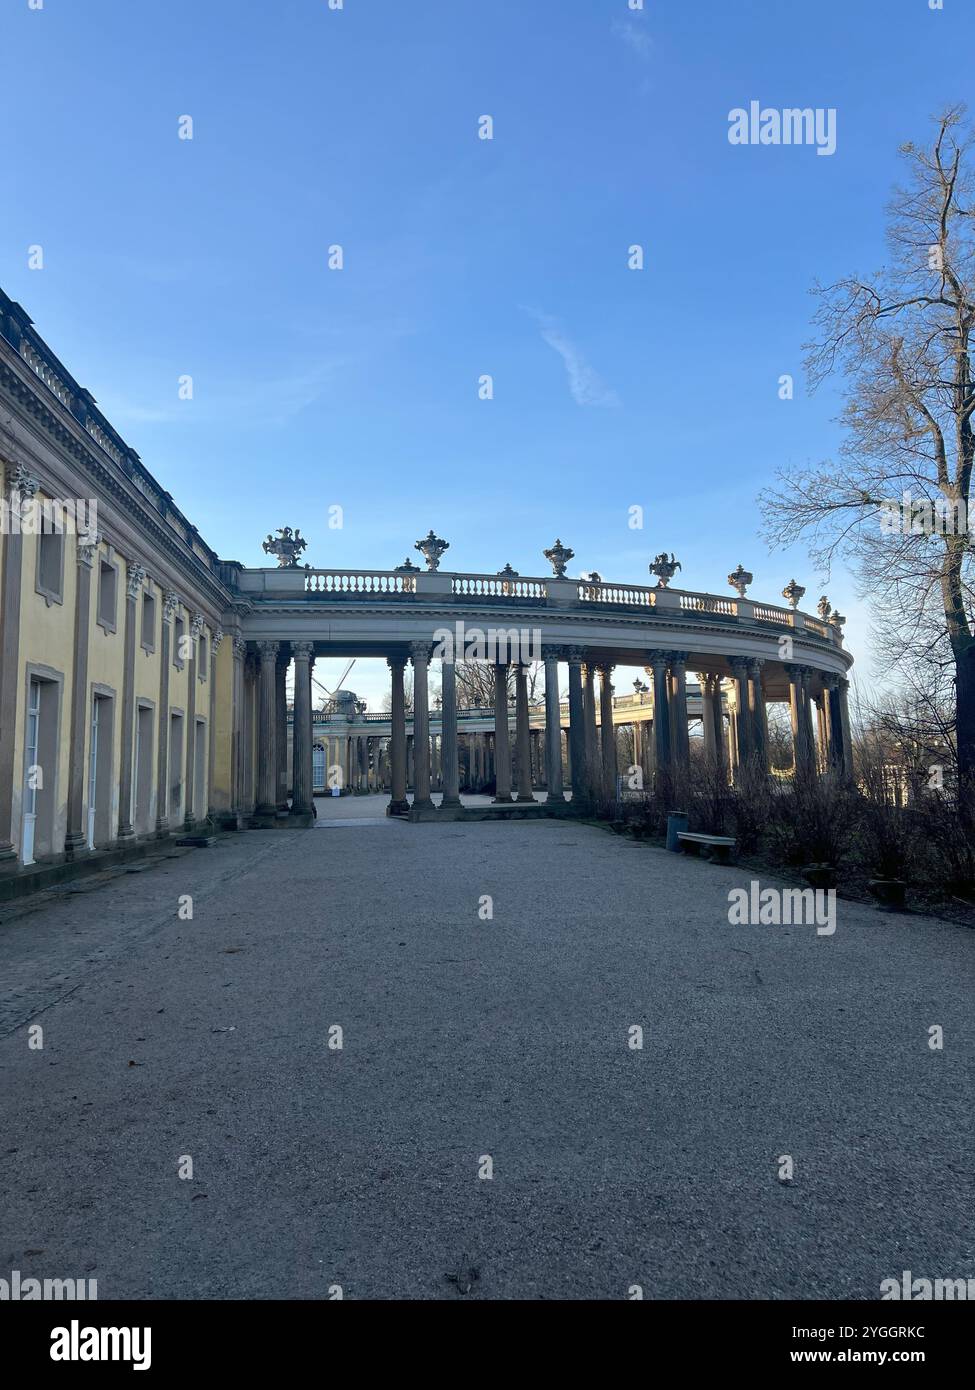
{"x":664,"y":569}
{"x":287,"y":545}
{"x":740,"y":579}
{"x":793,"y":592}
{"x":432,"y":548}
{"x":558,"y":557}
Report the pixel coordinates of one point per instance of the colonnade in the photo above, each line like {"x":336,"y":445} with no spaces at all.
{"x":588,"y":768}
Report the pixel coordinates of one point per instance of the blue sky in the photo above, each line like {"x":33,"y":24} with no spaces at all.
{"x":311,"y":387}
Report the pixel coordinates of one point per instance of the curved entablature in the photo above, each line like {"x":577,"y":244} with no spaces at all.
{"x":376,"y":612}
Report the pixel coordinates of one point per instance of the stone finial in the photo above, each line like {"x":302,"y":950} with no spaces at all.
{"x":837,"y":620}
{"x":740,"y":579}
{"x":507,"y":573}
{"x":432,"y":548}
{"x":824,"y":608}
{"x":664,"y":569}
{"x":136,"y":579}
{"x":558,"y":557}
{"x":793,"y":592}
{"x":287,"y":546}
{"x":407,"y":567}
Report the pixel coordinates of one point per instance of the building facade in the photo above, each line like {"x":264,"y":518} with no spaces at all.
{"x":143,"y":679}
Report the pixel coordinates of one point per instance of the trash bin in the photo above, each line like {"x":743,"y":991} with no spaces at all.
{"x":676,"y":821}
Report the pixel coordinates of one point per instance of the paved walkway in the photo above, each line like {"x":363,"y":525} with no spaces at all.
{"x":463,"y":1038}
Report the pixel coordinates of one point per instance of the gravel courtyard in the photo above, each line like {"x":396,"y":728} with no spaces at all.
{"x":466,"y":1038}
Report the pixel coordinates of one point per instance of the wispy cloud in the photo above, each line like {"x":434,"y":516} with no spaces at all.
{"x":634,"y":36}
{"x":585,"y":383}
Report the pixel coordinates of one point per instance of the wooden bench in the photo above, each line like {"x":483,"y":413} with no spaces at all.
{"x":720,"y":847}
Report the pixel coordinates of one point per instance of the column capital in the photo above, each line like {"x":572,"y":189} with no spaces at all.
{"x":135,"y":579}
{"x":793,"y":671}
{"x":217,"y":638}
{"x":87,"y":549}
{"x":396,"y":663}
{"x":302,"y":651}
{"x":678,"y":659}
{"x":420,"y":652}
{"x":658,"y":659}
{"x":240,"y":648}
{"x":755,"y":664}
{"x":831,"y":681}
{"x":268,"y":651}
{"x":739,"y":666}
{"x":170,"y":604}
{"x":196,"y":625}
{"x":553,"y":653}
{"x":606,"y":668}
{"x":574,"y":656}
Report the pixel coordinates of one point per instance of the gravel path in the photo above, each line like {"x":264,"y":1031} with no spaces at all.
{"x":465,"y":1038}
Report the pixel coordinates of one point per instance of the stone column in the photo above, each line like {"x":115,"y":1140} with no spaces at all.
{"x":594,"y":780}
{"x":756,"y":708}
{"x":397,"y":755}
{"x":713,"y":719}
{"x":238,"y":725}
{"x":678,"y":712}
{"x":834,"y":717}
{"x":577,"y":729}
{"x":20,"y":490}
{"x":552,"y":724}
{"x":450,"y":754}
{"x":523,"y":734}
{"x":136,"y":578}
{"x":502,"y":740}
{"x":420,"y":657}
{"x":267,"y":731}
{"x":215,"y":645}
{"x":844,"y":703}
{"x":302,"y":802}
{"x":281,"y":717}
{"x":657,"y":670}
{"x":607,"y":732}
{"x":76,"y":839}
{"x":251,"y":721}
{"x":744,"y":725}
{"x":803,"y":760}
{"x":191,"y":810}
{"x":170,"y":604}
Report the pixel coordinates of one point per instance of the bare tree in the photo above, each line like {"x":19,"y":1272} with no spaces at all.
{"x":901,"y":338}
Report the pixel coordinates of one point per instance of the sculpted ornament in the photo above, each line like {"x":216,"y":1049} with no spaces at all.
{"x":287,"y":546}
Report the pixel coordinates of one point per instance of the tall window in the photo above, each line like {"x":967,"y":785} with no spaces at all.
{"x":148,"y":621}
{"x":107,"y":595}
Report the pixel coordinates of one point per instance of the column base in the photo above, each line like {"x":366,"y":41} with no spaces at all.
{"x":523,"y":797}
{"x":556,"y":797}
{"x":76,"y":845}
{"x":301,"y":819}
{"x":398,"y":808}
{"x":502,"y":800}
{"x":423,"y":804}
{"x":450,"y":801}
